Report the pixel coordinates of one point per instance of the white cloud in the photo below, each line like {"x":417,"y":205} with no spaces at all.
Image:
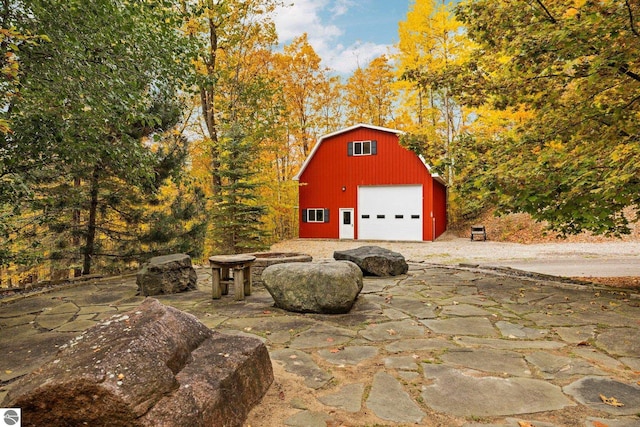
{"x":341,"y":7}
{"x":345,"y":60}
{"x":305,"y":16}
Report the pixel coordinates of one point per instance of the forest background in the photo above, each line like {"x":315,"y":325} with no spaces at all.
{"x":133,"y":128}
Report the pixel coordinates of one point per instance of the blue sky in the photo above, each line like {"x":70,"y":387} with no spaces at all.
{"x":345,"y":33}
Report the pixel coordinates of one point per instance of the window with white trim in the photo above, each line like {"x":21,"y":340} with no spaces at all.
{"x":362,"y":148}
{"x":315,"y":215}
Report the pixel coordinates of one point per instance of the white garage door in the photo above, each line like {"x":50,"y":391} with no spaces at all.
{"x":391,"y":212}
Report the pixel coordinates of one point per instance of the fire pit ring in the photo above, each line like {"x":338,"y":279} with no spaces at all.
{"x":265,"y":259}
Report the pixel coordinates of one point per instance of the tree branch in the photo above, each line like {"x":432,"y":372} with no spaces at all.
{"x":624,"y":69}
{"x":546,"y":11}
{"x":634,"y":30}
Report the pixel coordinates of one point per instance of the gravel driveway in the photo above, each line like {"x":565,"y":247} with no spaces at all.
{"x":609,"y":259}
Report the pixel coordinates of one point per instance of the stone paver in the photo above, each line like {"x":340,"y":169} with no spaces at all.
{"x":412,"y":307}
{"x":352,"y":355}
{"x":308,"y":419}
{"x":590,"y":391}
{"x":464,"y":310}
{"x":427,"y":344}
{"x":502,"y":362}
{"x":402,"y":363}
{"x":507,"y":344}
{"x":393,"y":331}
{"x":576,"y":335}
{"x":455,"y":392}
{"x":514,"y":331}
{"x":348,"y":398}
{"x":462,"y":326}
{"x":301,"y":364}
{"x":621,"y":341}
{"x":389,"y":401}
{"x":552,"y":366}
{"x":514,"y":422}
{"x":322,"y":336}
{"x":439,"y":346}
{"x":599,"y":422}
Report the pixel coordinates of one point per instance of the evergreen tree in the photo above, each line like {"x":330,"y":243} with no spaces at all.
{"x":237,"y":215}
{"x":76,"y":163}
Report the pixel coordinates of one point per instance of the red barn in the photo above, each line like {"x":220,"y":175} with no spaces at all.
{"x":360,"y":183}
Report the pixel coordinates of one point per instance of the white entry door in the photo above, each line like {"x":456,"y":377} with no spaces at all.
{"x":347,"y":230}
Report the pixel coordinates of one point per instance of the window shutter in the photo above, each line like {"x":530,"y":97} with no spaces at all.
{"x":374,"y":147}
{"x":304,"y":215}
{"x":349,"y":148}
{"x":326,"y":215}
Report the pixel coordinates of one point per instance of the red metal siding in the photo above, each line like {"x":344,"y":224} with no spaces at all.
{"x":440,"y":208}
{"x":331,"y":170}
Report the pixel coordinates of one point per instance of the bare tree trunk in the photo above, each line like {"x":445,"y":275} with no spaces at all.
{"x":76,"y":240}
{"x":207,"y":99}
{"x":89,"y":248}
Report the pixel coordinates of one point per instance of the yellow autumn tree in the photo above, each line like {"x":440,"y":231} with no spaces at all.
{"x":305,"y":106}
{"x":432,"y":45}
{"x":456,"y":136}
{"x":234,"y":40}
{"x":304,"y":80}
{"x":329,"y":105}
{"x":368,"y":94}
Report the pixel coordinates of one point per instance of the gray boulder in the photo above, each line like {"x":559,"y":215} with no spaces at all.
{"x":153,"y":366}
{"x":168,"y":274}
{"x":314,"y":287}
{"x":374,"y":260}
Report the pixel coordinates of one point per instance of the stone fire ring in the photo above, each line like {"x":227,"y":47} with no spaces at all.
{"x":281,"y":257}
{"x":265,"y":259}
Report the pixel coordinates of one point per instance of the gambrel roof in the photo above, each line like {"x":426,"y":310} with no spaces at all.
{"x":349,"y":129}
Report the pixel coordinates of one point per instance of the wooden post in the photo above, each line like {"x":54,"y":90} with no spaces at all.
{"x":247,"y":281}
{"x":238,"y":282}
{"x":215,"y":285}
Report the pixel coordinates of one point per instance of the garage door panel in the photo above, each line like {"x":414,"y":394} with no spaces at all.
{"x":390,"y":212}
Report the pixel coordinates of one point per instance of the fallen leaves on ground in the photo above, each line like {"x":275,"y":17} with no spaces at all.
{"x":612,"y":401}
{"x":615,"y":282}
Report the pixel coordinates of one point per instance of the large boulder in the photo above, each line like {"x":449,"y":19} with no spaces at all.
{"x":314,"y":287}
{"x":374,"y":260}
{"x":153,"y":366}
{"x":168,"y":274}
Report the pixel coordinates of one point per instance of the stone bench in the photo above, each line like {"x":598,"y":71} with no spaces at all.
{"x":221,"y":268}
{"x":167,"y":274}
{"x":374,"y":260}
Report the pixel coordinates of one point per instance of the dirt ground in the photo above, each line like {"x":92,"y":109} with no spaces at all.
{"x":616,"y":282}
